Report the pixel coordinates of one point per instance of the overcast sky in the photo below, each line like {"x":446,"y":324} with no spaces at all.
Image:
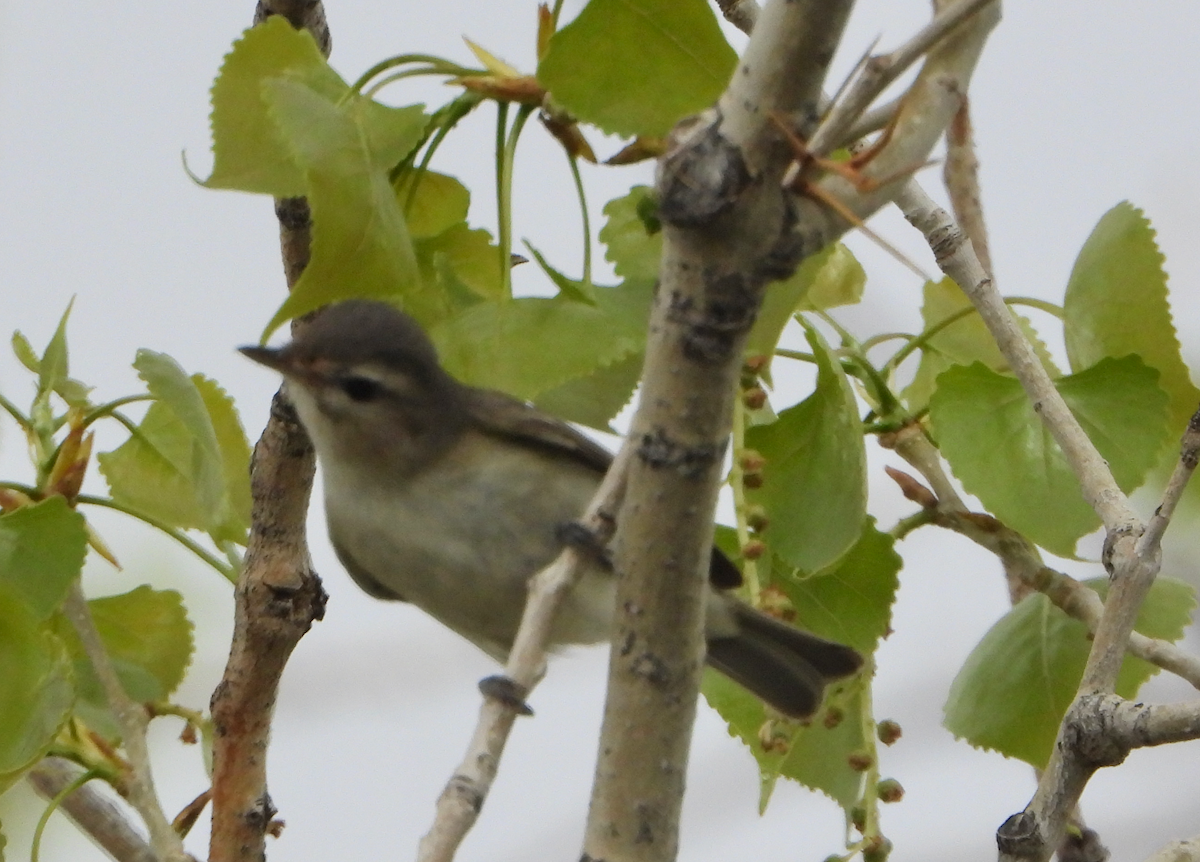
{"x":1077,"y":105}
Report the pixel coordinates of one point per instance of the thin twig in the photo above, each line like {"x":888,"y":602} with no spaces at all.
{"x":132,"y":720}
{"x":459,"y":805}
{"x":880,"y":71}
{"x":1189,"y":452}
{"x":1021,"y":560}
{"x":961,"y":176}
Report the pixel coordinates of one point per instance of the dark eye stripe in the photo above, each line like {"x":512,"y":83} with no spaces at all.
{"x":361,"y":389}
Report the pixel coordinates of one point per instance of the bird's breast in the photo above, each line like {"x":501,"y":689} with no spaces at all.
{"x":461,"y":537}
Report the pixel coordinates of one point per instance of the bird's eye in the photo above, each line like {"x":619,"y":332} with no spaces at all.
{"x":361,"y":389}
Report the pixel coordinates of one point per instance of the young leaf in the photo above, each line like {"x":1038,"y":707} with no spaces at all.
{"x":814,"y":482}
{"x":816,"y":754}
{"x":35,"y":687}
{"x":983,"y":419}
{"x":54,"y":367}
{"x":42,"y":547}
{"x":249,"y":151}
{"x":347,"y":146}
{"x":662,"y":60}
{"x":1116,"y":304}
{"x":965,"y":341}
{"x":25,"y":353}
{"x":529,"y":346}
{"x":1015,"y":687}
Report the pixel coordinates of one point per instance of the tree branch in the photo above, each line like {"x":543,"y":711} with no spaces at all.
{"x":278,"y":596}
{"x":1131,"y":554}
{"x":461,"y":801}
{"x":91,"y":811}
{"x":727,"y":232}
{"x":1179,"y":851}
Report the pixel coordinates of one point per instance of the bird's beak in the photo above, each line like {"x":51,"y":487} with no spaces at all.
{"x":272,"y":357}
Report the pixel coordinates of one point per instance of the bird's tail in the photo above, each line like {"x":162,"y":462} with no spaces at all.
{"x":786,"y":667}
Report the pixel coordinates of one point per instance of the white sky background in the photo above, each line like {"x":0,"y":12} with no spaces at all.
{"x":1076,"y":107}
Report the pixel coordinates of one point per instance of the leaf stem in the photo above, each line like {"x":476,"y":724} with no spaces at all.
{"x":506,"y":150}
{"x":587,"y":225}
{"x":228,"y":571}
{"x":108,"y":408}
{"x":35,"y":849}
{"x":444,"y":119}
{"x":449,"y":67}
{"x":928,"y":333}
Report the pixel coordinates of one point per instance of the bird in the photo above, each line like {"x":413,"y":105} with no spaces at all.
{"x":451,"y":497}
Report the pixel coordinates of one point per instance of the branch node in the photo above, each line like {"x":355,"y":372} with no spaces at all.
{"x":702,"y":174}
{"x":1018,"y":836}
{"x":1090,"y":731}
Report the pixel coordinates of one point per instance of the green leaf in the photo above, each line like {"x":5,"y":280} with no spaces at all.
{"x":568,"y":288}
{"x":983,"y":419}
{"x":361,"y":245}
{"x":632,"y":235}
{"x":187,"y":463}
{"x":249,"y":151}
{"x":25,"y":353}
{"x":965,"y":341}
{"x":147,"y":635}
{"x":172,"y":388}
{"x":1016,"y":685}
{"x":35,"y":687}
{"x":814,"y":755}
{"x":594,"y":399}
{"x":459,"y":268}
{"x":529,"y":346}
{"x":42,"y":547}
{"x":635,"y":67}
{"x":439,"y":203}
{"x":235,"y":460}
{"x":1116,"y":304}
{"x":830,"y":278}
{"x":54,"y":367}
{"x":850,"y":601}
{"x":814,"y":482}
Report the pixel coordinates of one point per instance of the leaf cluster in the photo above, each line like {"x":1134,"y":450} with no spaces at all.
{"x":183,"y":467}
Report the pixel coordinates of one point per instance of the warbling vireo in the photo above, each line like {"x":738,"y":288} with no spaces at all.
{"x":452,"y":497}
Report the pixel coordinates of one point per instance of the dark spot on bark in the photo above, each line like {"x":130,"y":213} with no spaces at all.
{"x":652,"y":669}
{"x":659,"y":451}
